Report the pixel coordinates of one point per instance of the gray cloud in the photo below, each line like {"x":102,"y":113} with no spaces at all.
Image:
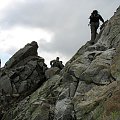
{"x":67,"y":19}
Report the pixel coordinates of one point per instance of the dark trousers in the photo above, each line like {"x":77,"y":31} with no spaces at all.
{"x":94,"y":27}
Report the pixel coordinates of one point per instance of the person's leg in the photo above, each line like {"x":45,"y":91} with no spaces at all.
{"x":96,"y":27}
{"x":93,"y":32}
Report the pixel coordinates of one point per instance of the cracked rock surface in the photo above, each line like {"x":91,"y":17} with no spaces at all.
{"x":24,"y":72}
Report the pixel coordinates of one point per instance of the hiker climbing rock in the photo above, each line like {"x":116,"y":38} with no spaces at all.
{"x":0,"y":63}
{"x":56,"y":63}
{"x":94,"y":24}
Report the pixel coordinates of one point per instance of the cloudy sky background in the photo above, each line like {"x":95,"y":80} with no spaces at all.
{"x":59,"y":26}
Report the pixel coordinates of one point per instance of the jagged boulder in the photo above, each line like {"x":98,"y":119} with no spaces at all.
{"x":86,"y":89}
{"x":22,"y":74}
{"x":19,"y":57}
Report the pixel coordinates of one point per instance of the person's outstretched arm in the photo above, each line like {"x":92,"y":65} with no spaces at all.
{"x":101,"y":18}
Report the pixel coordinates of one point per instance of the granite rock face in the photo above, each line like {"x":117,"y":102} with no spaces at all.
{"x":88,"y":88}
{"x":21,"y":75}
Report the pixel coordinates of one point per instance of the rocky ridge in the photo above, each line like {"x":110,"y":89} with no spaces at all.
{"x":21,"y":75}
{"x":88,"y":88}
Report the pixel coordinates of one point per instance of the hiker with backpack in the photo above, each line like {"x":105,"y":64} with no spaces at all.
{"x":94,"y":24}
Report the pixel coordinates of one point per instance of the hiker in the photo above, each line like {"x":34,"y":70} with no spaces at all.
{"x":56,"y":63}
{"x":94,"y":24}
{"x":0,"y":63}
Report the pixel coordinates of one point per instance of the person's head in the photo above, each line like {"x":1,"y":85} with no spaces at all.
{"x":57,"y":58}
{"x":95,"y":12}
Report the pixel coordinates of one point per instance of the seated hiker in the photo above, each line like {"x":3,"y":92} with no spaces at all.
{"x":94,"y":24}
{"x":0,"y":63}
{"x":56,"y":63}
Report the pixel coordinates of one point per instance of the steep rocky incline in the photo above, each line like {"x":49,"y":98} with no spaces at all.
{"x":88,"y":88}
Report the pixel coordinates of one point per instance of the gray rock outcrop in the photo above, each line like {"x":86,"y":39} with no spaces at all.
{"x":88,"y":87}
{"x":51,"y":72}
{"x":21,"y":75}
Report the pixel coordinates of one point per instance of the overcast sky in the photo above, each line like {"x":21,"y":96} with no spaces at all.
{"x":59,"y":26}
